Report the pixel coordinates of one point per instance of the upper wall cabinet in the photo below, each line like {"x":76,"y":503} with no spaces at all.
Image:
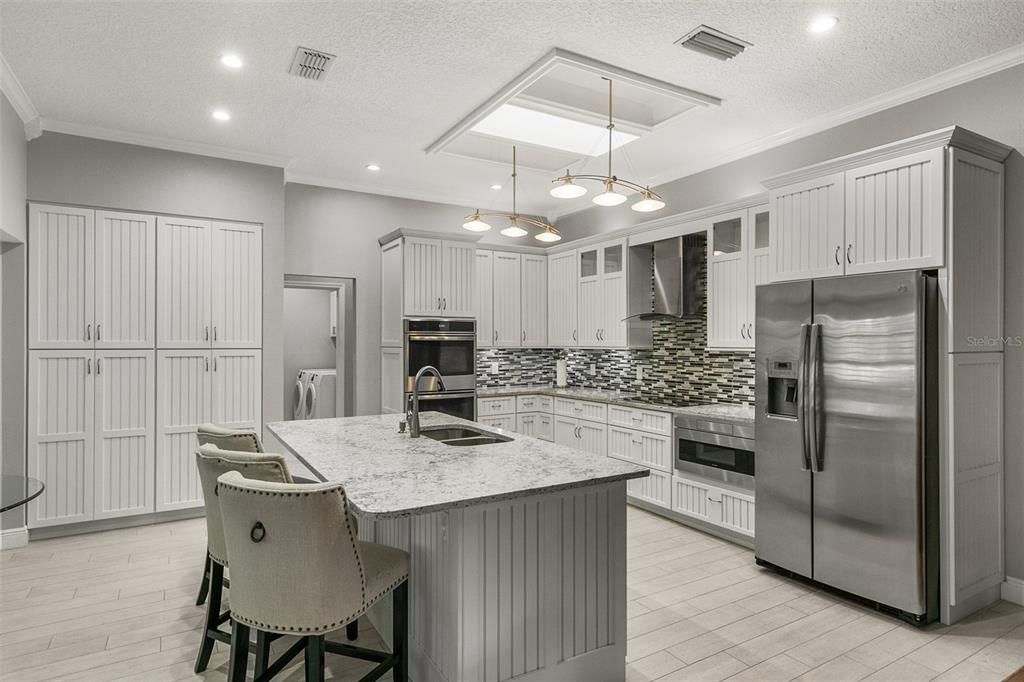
{"x":507,"y":296}
{"x":91,"y":278}
{"x":534,"y":300}
{"x":807,"y":222}
{"x":484,"y":299}
{"x":601,"y":302}
{"x":210,"y":284}
{"x":562,"y":293}
{"x":738,"y":246}
{"x":439,"y":277}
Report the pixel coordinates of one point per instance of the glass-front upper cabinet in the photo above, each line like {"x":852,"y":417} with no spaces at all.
{"x":613,"y":257}
{"x":588,"y":263}
{"x":759,"y":221}
{"x":727,"y":236}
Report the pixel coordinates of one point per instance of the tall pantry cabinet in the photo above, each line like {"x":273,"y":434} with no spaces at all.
{"x":113,"y":298}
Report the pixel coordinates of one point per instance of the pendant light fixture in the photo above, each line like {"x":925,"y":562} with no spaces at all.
{"x":475,"y":222}
{"x":566,"y":187}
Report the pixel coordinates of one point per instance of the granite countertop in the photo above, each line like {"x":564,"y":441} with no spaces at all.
{"x":387,"y":473}
{"x":740,"y":414}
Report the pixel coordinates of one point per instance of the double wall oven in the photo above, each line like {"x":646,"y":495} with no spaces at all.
{"x":450,"y":347}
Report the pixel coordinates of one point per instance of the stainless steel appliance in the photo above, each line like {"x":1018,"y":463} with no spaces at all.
{"x":715,"y":447}
{"x":847,"y":467}
{"x":449,"y":346}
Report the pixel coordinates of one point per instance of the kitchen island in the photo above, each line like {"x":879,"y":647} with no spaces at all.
{"x":518,"y":548}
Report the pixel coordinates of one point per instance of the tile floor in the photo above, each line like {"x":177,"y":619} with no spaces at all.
{"x":120,"y":605}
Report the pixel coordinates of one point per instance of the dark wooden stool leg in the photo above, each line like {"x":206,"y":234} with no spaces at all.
{"x":352,"y":631}
{"x":400,"y":618}
{"x":262,"y":652}
{"x":315,"y":658}
{"x":212,"y":616}
{"x":204,"y":585}
{"x":239,"y":660}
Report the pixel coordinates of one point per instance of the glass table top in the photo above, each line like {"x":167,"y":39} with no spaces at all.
{"x":17,"y":490}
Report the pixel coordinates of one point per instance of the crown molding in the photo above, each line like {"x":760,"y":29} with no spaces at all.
{"x":427,"y":234}
{"x":165,"y":143}
{"x":16,"y":95}
{"x":978,"y":68}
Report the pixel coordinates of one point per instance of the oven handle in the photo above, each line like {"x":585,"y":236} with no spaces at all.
{"x":440,"y":337}
{"x":715,"y":439}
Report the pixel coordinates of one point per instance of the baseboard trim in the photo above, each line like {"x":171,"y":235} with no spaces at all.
{"x":13,"y":538}
{"x":1013,"y":590}
{"x":47,"y":532}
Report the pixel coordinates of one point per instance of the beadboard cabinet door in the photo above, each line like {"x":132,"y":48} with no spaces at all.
{"x":61,"y":282}
{"x":894,"y":214}
{"x":183,"y":283}
{"x":534,"y":300}
{"x":125,"y":286}
{"x":421,"y":266}
{"x":183,"y":402}
{"x":759,"y":238}
{"x":508,"y":326}
{"x":613,"y":294}
{"x":237,"y":391}
{"x":125,"y":448}
{"x":237,"y":293}
{"x":458,"y":279}
{"x":728,"y":265}
{"x":484,"y":299}
{"x":562,"y":299}
{"x":807,"y":223}
{"x":61,"y":435}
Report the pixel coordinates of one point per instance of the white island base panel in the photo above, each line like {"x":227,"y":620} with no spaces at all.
{"x":532,"y":588}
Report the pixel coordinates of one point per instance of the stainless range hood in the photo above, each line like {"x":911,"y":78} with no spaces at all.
{"x":666,"y":278}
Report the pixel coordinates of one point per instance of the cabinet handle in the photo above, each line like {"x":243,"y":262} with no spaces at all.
{"x":576,"y":431}
{"x":573,"y":334}
{"x":88,"y":332}
{"x":99,"y":361}
{"x":524,"y":335}
{"x":848,"y":259}
{"x":215,"y":338}
{"x":88,"y":365}
{"x":214,"y":363}
{"x":206,"y":333}
{"x":495,"y":334}
{"x":444,"y":304}
{"x":438,"y":302}
{"x":837,"y":255}
{"x":743,"y":328}
{"x":99,"y":336}
{"x":207,"y":364}
{"x":334,"y":330}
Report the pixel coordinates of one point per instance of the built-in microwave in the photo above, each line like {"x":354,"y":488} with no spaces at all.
{"x":716,"y":451}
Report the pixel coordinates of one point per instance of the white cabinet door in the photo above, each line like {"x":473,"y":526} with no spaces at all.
{"x":535,"y":425}
{"x":690,"y":497}
{"x":645,"y":449}
{"x":183,"y":300}
{"x":894,"y":214}
{"x":655,"y":488}
{"x":593,"y":437}
{"x":421,"y":265}
{"x":484,"y":299}
{"x":125,"y":450}
{"x":727,"y":281}
{"x":613,"y":309}
{"x":506,"y":422}
{"x":565,"y":431}
{"x":508,"y":327}
{"x":60,"y":277}
{"x":458,"y":279}
{"x":237,"y":389}
{"x":183,"y":402}
{"x":807,"y":226}
{"x":562,"y":293}
{"x":534,"y":303}
{"x":732,"y":510}
{"x":61,"y":432}
{"x":125,"y":280}
{"x":620,"y":443}
{"x":591,"y":312}
{"x":759,"y":244}
{"x":392,"y":381}
{"x":237,"y":293}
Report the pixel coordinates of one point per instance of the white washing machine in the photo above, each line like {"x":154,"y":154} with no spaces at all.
{"x":321,"y":395}
{"x":299,"y":394}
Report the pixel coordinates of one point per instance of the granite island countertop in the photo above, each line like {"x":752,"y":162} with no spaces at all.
{"x":387,"y":473}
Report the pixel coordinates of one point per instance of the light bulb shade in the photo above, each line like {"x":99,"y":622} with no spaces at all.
{"x":474,"y":224}
{"x":547,"y":236}
{"x":514,"y":230}
{"x":609,"y":197}
{"x":648,"y":203}
{"x":568,"y":190}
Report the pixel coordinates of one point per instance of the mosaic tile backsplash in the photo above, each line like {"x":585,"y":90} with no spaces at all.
{"x":678,"y":370}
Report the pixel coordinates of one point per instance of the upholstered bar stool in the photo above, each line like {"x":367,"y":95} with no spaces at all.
{"x":298,"y":569}
{"x":211,"y":462}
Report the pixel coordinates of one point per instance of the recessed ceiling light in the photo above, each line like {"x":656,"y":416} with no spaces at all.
{"x":221,"y":115}
{"x":495,"y":186}
{"x":372,"y":167}
{"x":513,"y":122}
{"x":232,"y":61}
{"x":822,"y":24}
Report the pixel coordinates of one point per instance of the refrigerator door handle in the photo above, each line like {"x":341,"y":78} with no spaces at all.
{"x":801,"y":399}
{"x":814,"y":406}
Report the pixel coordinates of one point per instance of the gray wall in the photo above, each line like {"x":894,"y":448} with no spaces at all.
{"x":990,"y":106}
{"x":307,"y":343}
{"x":13,"y":174}
{"x":77,"y":170}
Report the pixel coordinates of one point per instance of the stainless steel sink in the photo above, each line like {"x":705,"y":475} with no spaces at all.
{"x":462,"y":436}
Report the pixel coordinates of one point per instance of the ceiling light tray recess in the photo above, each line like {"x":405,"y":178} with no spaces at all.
{"x":556,"y":112}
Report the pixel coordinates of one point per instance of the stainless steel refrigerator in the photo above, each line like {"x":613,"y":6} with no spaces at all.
{"x":846,"y":446}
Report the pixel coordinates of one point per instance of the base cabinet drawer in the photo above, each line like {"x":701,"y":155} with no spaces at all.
{"x":735,"y":511}
{"x":720,"y":506}
{"x":504,"y":421}
{"x":494,"y":406}
{"x":656,"y":488}
{"x":690,"y":498}
{"x":644,"y":420}
{"x":581,"y":409}
{"x":536,"y":425}
{"x":533,"y":403}
{"x":639,"y":447}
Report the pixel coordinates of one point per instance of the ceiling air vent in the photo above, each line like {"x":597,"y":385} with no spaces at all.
{"x":311,"y":64}
{"x":713,"y":43}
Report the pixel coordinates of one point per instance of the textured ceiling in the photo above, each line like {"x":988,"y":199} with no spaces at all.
{"x":408,"y":71}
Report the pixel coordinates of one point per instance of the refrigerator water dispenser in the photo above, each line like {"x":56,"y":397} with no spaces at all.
{"x":783,"y":386}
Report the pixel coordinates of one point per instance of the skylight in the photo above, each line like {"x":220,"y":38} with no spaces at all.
{"x":512,"y":122}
